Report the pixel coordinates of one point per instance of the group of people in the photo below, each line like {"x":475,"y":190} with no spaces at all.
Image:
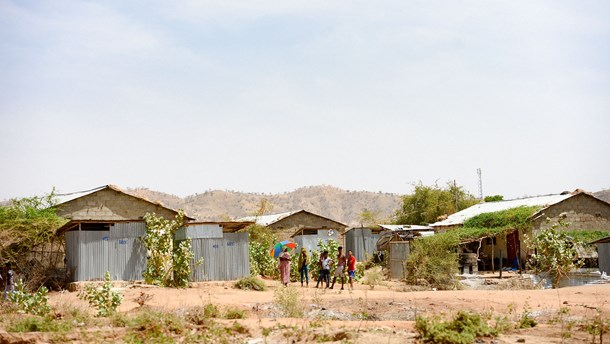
{"x":343,"y":262}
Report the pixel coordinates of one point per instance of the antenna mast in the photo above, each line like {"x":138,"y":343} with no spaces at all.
{"x":480,"y":184}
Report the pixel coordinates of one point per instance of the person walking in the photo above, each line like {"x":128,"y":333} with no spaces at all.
{"x":324,"y":269}
{"x":351,"y":268}
{"x":340,"y":270}
{"x":304,"y":266}
{"x":284,"y":267}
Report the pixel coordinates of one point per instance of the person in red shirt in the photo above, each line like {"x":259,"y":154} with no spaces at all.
{"x":351,"y":268}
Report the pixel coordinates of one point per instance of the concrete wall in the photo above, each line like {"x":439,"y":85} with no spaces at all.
{"x":582,"y":212}
{"x":288,"y":226}
{"x":110,"y":205}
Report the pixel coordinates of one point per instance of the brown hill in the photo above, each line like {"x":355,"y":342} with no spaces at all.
{"x":338,"y":204}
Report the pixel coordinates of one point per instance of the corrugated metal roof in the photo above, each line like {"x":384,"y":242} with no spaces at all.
{"x":490,"y":207}
{"x":406,"y":227}
{"x":266,"y":220}
{"x":601,"y":241}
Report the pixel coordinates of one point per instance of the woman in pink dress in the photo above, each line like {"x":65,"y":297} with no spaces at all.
{"x":285,"y":267}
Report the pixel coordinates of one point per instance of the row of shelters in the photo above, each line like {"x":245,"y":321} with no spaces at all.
{"x":106,"y":225}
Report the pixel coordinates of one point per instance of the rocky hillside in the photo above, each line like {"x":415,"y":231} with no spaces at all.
{"x":340,"y":205}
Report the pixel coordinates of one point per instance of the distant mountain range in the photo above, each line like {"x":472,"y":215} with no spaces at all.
{"x":337,"y":204}
{"x":329,"y":201}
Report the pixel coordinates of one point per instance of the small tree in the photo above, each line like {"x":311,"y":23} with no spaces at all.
{"x":28,"y":239}
{"x":433,"y":261}
{"x":332,"y":246}
{"x":555,"y":252}
{"x":103,"y":298}
{"x":427,"y":203}
{"x":162,"y":258}
{"x":260,"y":242}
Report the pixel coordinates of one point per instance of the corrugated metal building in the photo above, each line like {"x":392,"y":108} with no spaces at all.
{"x":309,"y":238}
{"x":224,"y":252}
{"x":362,"y":242}
{"x":603,"y":254}
{"x":93,"y":249}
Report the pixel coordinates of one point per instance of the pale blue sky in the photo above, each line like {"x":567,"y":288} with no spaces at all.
{"x":270,"y":96}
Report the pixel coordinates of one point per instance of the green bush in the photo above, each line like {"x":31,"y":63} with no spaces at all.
{"x":103,"y":298}
{"x":372,"y":277}
{"x":555,"y":252}
{"x":39,"y":324}
{"x":332,"y":247}
{"x":155,"y":326}
{"x":260,"y":242}
{"x":234,"y":313}
{"x":433,"y":261}
{"x":289,"y":301}
{"x":32,"y":303}
{"x":251,"y":283}
{"x":463,"y":329}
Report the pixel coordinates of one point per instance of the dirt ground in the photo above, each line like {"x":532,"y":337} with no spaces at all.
{"x":384,"y":314}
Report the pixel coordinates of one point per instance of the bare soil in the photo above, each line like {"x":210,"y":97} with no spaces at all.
{"x":384,"y":314}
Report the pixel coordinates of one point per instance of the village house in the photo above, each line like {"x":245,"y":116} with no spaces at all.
{"x":104,"y":233}
{"x":580,"y":209}
{"x":302,"y":226}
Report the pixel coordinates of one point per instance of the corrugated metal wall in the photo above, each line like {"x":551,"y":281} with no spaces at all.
{"x":89,"y":254}
{"x":399,"y":252}
{"x":128,"y":230}
{"x":223,"y":259}
{"x":603,"y":253}
{"x":362,"y":242}
{"x":310,"y":242}
{"x":203,"y":231}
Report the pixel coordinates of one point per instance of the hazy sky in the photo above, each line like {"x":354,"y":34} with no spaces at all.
{"x":269,"y":96}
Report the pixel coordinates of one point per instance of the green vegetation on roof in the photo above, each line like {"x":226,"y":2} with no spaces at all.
{"x":516,"y":218}
{"x":586,"y":236}
{"x":494,"y":223}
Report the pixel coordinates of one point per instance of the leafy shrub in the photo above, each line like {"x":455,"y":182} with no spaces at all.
{"x":210,"y":311}
{"x":289,"y":301}
{"x":260,"y":242}
{"x":332,"y":246}
{"x":103,"y":298}
{"x":154,"y":326}
{"x":433,"y":261}
{"x":526,"y":321}
{"x":39,"y":324}
{"x":32,"y":303}
{"x":27,"y":225}
{"x":166,"y":265}
{"x":372,"y":277}
{"x":182,"y":257}
{"x":234,"y":313}
{"x":251,"y":283}
{"x":202,"y":315}
{"x":463,"y":329}
{"x":555,"y":252}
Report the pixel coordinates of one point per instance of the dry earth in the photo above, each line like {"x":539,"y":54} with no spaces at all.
{"x":383,"y":315}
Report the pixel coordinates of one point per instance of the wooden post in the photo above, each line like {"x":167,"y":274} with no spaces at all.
{"x":493,"y":270}
{"x":500,"y":263}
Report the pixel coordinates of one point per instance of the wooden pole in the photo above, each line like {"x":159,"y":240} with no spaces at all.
{"x":493,"y":270}
{"x":500,"y":263}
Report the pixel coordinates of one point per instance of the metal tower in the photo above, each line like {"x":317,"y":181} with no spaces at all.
{"x":480,"y":184}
